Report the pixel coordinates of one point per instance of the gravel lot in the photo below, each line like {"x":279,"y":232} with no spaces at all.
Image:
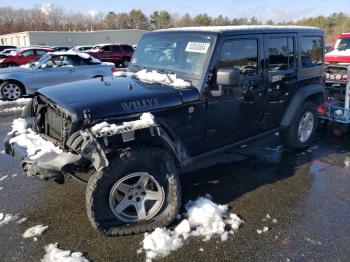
{"x":307,"y":192}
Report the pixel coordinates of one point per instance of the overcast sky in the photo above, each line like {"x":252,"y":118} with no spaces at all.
{"x":277,"y":10}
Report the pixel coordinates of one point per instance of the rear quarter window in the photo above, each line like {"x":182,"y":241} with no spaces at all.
{"x":311,"y":51}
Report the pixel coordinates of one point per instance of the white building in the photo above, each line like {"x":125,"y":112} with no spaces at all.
{"x":50,"y":38}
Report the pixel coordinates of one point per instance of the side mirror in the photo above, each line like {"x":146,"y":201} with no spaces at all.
{"x":43,"y":65}
{"x":226,"y":77}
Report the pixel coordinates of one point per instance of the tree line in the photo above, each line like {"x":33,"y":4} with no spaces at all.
{"x":55,"y":18}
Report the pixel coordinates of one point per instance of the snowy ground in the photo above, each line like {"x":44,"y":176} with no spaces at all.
{"x":13,"y":108}
{"x":299,"y":202}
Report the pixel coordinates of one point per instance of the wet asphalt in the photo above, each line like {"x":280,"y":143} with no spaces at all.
{"x":307,"y":192}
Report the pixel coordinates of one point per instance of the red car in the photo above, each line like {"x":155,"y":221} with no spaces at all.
{"x":23,"y":56}
{"x":341,"y":50}
{"x":119,"y":54}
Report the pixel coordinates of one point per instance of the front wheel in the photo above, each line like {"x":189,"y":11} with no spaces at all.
{"x":301,"y":132}
{"x":137,"y":192}
{"x":11,"y":90}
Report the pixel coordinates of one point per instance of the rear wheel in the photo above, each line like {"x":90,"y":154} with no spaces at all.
{"x":137,"y":192}
{"x":302,"y":130}
{"x":11,"y":64}
{"x":11,"y":90}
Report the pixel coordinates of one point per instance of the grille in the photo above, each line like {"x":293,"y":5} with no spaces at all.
{"x":53,"y":124}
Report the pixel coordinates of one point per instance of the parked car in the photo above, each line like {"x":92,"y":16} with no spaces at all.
{"x":7,"y":52}
{"x":50,"y":69}
{"x":341,"y":50}
{"x":3,"y":47}
{"x":188,"y":94}
{"x":23,"y":56}
{"x":81,"y":48}
{"x":60,"y":48}
{"x":328,"y":48}
{"x":119,"y":54}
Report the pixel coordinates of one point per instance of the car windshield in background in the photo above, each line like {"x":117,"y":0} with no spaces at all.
{"x":185,"y":55}
{"x":342,"y":44}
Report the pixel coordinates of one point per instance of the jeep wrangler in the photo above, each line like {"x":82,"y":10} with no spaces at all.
{"x":199,"y":91}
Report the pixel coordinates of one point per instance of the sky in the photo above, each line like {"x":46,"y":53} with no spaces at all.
{"x":277,"y":10}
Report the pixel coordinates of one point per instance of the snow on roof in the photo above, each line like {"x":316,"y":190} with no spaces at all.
{"x":236,"y":28}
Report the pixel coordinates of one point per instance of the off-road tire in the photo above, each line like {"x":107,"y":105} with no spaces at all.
{"x":289,"y":136}
{"x":8,"y":97}
{"x":137,"y":159}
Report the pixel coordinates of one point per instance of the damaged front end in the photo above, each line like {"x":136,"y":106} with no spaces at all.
{"x":49,"y":144}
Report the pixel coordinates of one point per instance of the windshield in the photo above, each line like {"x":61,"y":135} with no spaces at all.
{"x":342,"y":44}
{"x":36,"y":62}
{"x":185,"y":55}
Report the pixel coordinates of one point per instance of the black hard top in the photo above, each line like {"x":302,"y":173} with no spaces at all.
{"x":249,"y":29}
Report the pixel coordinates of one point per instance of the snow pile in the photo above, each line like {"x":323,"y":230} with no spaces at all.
{"x":55,"y":254}
{"x":146,"y":120}
{"x":35,"y":145}
{"x":265,"y":228}
{"x":21,"y":102}
{"x":3,"y":178}
{"x":204,"y":218}
{"x":6,"y":218}
{"x":154,"y":76}
{"x":160,"y":243}
{"x":19,"y":125}
{"x":35,"y":231}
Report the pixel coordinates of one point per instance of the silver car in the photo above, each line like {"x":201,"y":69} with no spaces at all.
{"x":51,"y":69}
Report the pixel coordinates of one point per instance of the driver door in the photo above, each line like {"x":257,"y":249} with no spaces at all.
{"x":236,"y":114}
{"x":59,"y":69}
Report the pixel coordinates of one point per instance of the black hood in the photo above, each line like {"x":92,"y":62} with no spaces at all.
{"x":114,"y":96}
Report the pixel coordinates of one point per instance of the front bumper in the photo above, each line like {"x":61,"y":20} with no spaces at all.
{"x":48,"y":166}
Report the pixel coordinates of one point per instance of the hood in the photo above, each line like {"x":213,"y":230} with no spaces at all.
{"x":337,"y":56}
{"x":10,"y":70}
{"x":116,"y":96}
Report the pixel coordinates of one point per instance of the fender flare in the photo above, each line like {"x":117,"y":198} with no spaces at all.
{"x":173,"y":146}
{"x":298,"y":99}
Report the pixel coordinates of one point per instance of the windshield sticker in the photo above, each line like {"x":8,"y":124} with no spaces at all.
{"x":197,"y":47}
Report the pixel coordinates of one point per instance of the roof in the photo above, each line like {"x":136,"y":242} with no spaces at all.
{"x":241,"y":28}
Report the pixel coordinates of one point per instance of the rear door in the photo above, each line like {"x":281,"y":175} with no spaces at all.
{"x":26,"y":57}
{"x":236,"y":114}
{"x":281,"y":67}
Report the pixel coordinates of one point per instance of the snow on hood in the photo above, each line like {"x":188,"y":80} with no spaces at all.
{"x":337,"y":52}
{"x":35,"y":145}
{"x":146,"y":120}
{"x":154,"y":76}
{"x":204,"y":218}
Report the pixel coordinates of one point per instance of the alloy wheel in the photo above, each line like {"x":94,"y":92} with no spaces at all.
{"x":306,"y":126}
{"x":11,"y":91}
{"x":136,"y":197}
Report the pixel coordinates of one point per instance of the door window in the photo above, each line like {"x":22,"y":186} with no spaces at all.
{"x":281,"y":53}
{"x":242,"y":54}
{"x":28,"y":53}
{"x":106,"y":48}
{"x":311,"y":51}
{"x":116,"y":48}
{"x":41,"y":52}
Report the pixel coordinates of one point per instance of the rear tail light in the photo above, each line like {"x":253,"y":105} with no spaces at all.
{"x":114,"y":69}
{"x":344,"y":77}
{"x":321,"y":109}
